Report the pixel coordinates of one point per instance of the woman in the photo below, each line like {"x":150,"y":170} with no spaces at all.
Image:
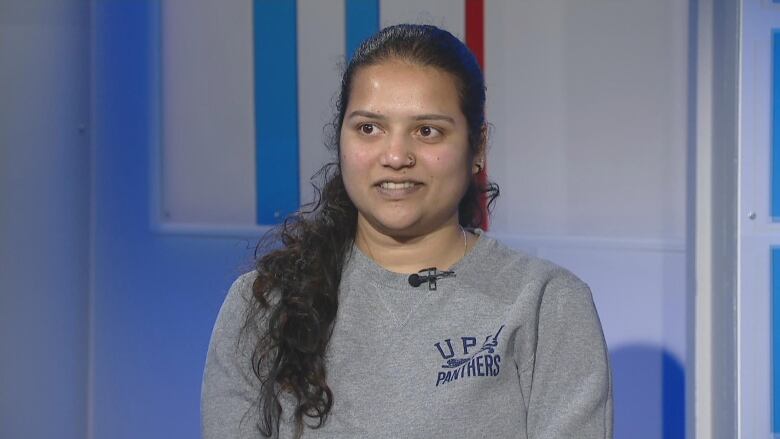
{"x":339,"y":333}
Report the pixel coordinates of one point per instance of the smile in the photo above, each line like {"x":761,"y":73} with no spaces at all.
{"x":397,"y":190}
{"x":394,"y":186}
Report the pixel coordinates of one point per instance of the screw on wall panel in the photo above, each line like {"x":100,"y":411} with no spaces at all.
{"x":752,"y":215}
{"x":277,"y":214}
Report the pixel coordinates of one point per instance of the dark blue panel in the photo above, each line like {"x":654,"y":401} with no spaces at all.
{"x":276,"y":110}
{"x":775,"y":336}
{"x":362,"y":21}
{"x":649,"y":392}
{"x":673,"y":399}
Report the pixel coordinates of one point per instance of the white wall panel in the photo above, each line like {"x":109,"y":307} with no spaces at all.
{"x":589,"y":103}
{"x":207,"y":152}
{"x":321,"y":35}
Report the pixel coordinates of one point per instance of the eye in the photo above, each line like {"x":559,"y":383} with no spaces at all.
{"x":368,"y":129}
{"x":429,"y":132}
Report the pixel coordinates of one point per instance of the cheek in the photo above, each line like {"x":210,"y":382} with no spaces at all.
{"x":447,"y":165}
{"x":355,"y":165}
{"x":353,"y":159}
{"x":453,"y":172}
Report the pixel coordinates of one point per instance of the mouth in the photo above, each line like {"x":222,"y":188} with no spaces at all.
{"x":397,"y":189}
{"x":391,"y":185}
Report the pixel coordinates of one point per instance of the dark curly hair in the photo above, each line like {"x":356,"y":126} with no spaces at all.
{"x":296,"y":289}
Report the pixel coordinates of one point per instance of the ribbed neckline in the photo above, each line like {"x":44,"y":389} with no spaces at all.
{"x":362,"y":265}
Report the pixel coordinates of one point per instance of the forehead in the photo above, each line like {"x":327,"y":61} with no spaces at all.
{"x":398,"y":86}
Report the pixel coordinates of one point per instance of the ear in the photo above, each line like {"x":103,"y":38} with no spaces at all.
{"x":478,"y":163}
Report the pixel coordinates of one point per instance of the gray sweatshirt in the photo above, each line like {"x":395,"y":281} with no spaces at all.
{"x":511,"y":347}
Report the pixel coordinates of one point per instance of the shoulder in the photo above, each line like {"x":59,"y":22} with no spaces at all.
{"x":239,"y":295}
{"x":229,"y":388}
{"x":236,"y":307}
{"x":513,"y":273}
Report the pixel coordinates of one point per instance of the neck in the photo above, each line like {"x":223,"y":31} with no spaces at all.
{"x":440,"y":248}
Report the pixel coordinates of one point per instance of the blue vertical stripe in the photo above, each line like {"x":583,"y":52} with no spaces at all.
{"x":276,"y":110}
{"x":362,"y":21}
{"x":775,"y":337}
{"x":775,"y":125}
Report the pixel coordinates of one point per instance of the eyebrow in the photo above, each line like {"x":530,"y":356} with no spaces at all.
{"x":378,"y":116}
{"x":435,"y":117}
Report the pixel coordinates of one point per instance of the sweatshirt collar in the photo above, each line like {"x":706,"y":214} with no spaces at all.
{"x":361,"y":266}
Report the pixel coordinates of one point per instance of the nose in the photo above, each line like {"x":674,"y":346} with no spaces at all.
{"x":398,"y":153}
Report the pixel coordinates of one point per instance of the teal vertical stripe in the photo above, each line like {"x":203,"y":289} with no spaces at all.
{"x":775,"y":126}
{"x":276,"y":110}
{"x":362,"y":21}
{"x":775,"y":336}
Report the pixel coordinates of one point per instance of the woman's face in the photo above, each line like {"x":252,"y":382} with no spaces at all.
{"x":405,"y":157}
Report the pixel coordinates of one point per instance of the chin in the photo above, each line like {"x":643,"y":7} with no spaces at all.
{"x":396,"y":226}
{"x":399,"y":229}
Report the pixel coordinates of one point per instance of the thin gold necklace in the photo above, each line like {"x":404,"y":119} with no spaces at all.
{"x":465,"y":243}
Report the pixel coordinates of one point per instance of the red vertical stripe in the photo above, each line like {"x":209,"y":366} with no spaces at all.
{"x":475,"y":39}
{"x":475,"y":29}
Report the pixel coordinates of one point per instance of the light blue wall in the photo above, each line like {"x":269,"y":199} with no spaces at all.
{"x":44,"y":218}
{"x":155,"y":296}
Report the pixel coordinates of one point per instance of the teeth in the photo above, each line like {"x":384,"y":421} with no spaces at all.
{"x":390,"y":185}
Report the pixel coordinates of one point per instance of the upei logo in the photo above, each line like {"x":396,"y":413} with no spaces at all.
{"x":476,"y":362}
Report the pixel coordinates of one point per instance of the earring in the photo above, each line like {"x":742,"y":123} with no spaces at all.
{"x":480,"y":165}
